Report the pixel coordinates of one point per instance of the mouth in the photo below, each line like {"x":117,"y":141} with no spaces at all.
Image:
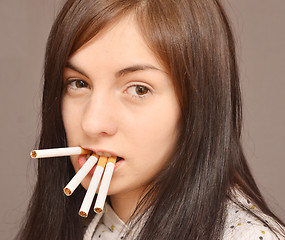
{"x":84,"y":157}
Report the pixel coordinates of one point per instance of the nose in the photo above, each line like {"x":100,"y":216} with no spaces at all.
{"x":99,"y":116}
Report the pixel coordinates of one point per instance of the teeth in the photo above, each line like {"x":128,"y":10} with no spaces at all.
{"x":100,"y":154}
{"x":103,"y":154}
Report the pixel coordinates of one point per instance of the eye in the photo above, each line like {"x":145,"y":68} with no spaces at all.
{"x":78,"y":83}
{"x":138,"y":91}
{"x":141,"y":90}
{"x":76,"y":87}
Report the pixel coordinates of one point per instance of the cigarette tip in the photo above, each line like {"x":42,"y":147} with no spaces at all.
{"x":97,"y":210}
{"x":83,"y":214}
{"x":67,"y":191}
{"x":33,"y":154}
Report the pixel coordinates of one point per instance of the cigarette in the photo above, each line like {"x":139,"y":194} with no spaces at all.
{"x":103,"y":190}
{"x":93,"y":185}
{"x":58,"y":152}
{"x":80,"y":175}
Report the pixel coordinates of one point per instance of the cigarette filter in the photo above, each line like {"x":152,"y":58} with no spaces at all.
{"x":89,"y":196}
{"x":80,"y":175}
{"x":105,"y":183}
{"x":58,"y":152}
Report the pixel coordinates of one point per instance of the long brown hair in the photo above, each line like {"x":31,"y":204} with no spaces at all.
{"x":194,"y":41}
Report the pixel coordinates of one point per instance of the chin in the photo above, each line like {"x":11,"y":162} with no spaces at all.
{"x":86,"y":181}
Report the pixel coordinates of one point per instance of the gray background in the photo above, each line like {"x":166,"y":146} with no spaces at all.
{"x":24,"y":27}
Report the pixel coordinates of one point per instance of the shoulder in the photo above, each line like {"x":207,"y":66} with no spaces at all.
{"x":243,"y":225}
{"x":240,"y":224}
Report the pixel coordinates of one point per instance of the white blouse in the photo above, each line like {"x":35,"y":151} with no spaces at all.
{"x":106,"y":226}
{"x":239,"y":225}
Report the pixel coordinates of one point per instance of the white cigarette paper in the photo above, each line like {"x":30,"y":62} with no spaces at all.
{"x":105,"y":183}
{"x":80,"y":175}
{"x":93,"y":185}
{"x":58,"y":152}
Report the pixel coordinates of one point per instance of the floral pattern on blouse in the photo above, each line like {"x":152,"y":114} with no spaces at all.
{"x":241,"y":225}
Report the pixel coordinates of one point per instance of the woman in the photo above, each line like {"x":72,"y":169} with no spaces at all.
{"x":155,"y":83}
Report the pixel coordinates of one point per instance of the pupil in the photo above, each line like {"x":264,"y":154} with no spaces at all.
{"x":80,"y":84}
{"x":141,"y":90}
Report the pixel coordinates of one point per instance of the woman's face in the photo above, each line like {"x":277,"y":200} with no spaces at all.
{"x":120,"y":100}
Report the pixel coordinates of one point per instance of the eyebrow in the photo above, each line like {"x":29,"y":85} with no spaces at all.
{"x":135,"y":68}
{"x":120,"y":73}
{"x":76,"y":69}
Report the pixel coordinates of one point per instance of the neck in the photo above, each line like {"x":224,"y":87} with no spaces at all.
{"x":124,"y":204}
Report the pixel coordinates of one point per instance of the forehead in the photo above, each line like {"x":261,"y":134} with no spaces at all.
{"x":121,"y":43}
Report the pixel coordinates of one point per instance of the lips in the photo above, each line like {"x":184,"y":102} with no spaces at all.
{"x":83,"y":158}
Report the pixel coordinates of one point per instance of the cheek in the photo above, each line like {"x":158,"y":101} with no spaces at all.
{"x":158,"y":124}
{"x":154,"y":136}
{"x":71,"y":119}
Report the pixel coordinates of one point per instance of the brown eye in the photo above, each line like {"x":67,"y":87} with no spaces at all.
{"x":138,"y":91}
{"x":141,"y":90}
{"x":80,"y":84}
